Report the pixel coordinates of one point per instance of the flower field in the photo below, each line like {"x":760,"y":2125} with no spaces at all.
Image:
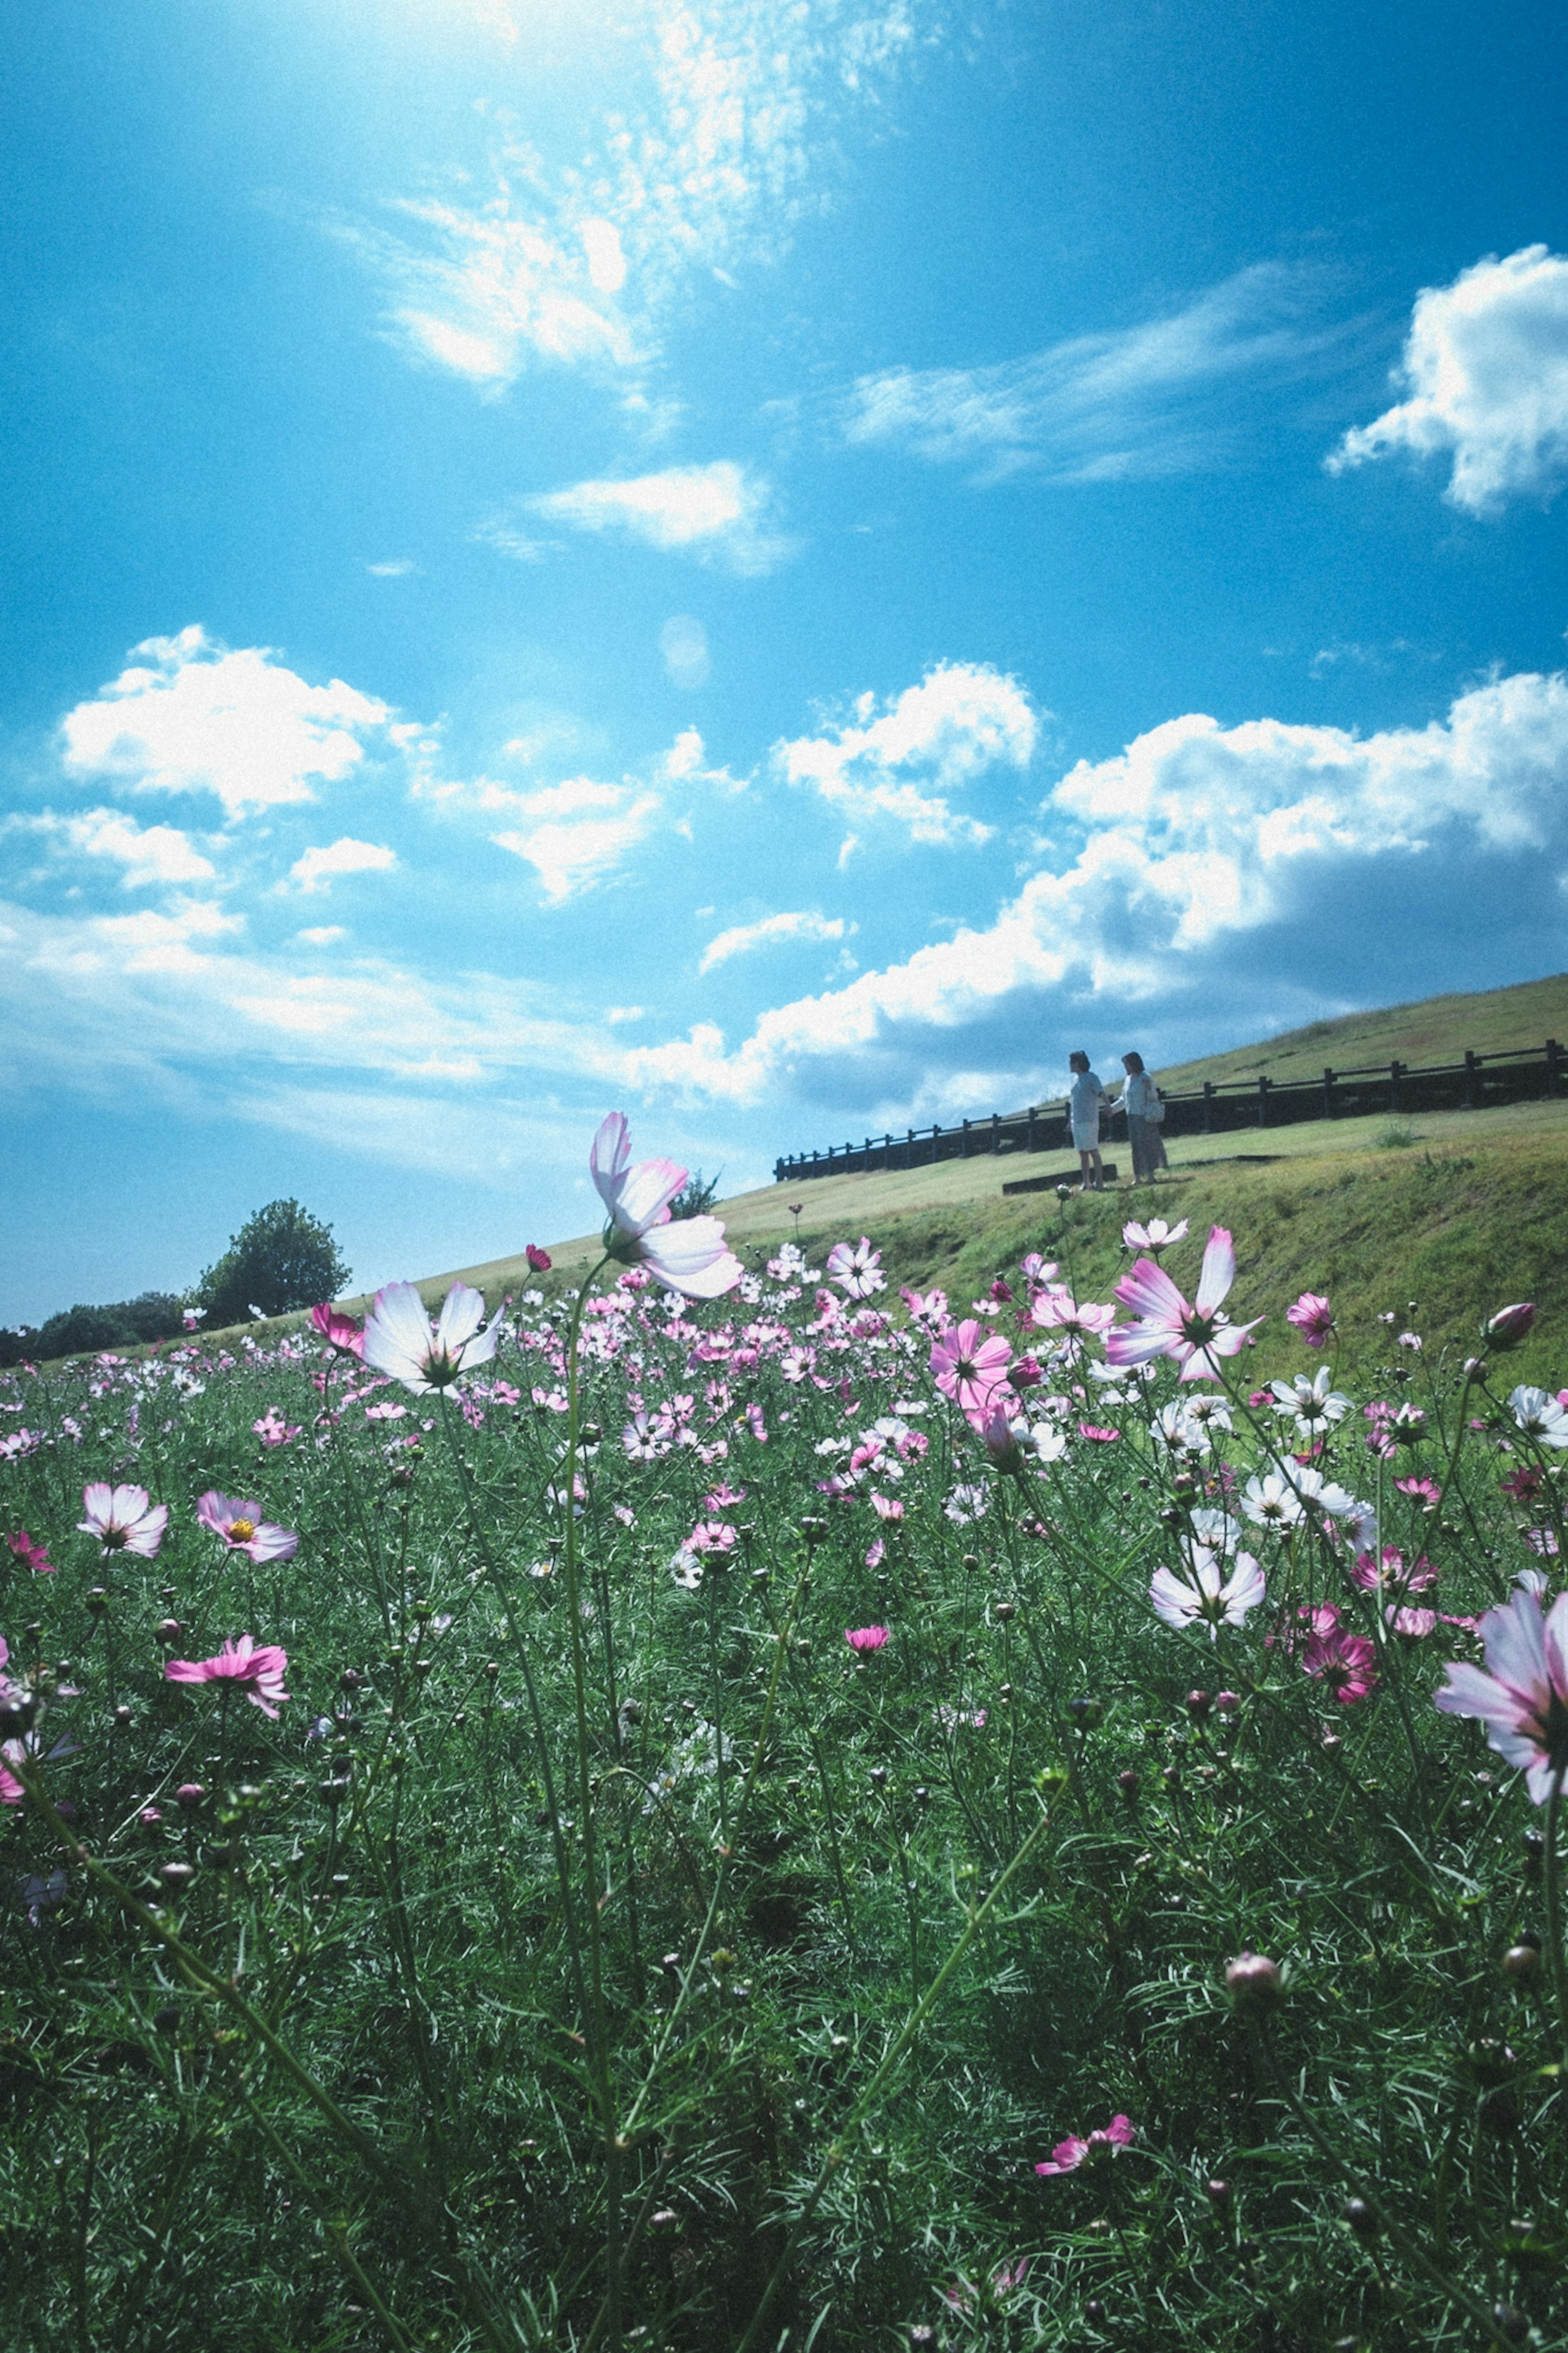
{"x":733,"y":1806}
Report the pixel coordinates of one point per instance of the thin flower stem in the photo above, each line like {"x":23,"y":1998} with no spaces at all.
{"x":336,"y":2231}
{"x":1553,"y":1875}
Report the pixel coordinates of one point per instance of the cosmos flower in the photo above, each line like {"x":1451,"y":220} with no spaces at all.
{"x":1209,"y":1597}
{"x":340,"y":1331}
{"x":259,"y":1668}
{"x":538,"y":1259}
{"x":688,"y":1255}
{"x":1521,"y":1694}
{"x":1539,"y":1416}
{"x":1346,"y":1662}
{"x":1195,"y":1335}
{"x":242,"y":1529}
{"x":123,"y":1519}
{"x":865,"y":1638}
{"x":400,"y":1339}
{"x":1313,"y":1318}
{"x":856,"y":1271}
{"x":1069,"y":2154}
{"x":1155,"y":1236}
{"x":31,"y":1556}
{"x":1311,"y":1400}
{"x":969,"y":1364}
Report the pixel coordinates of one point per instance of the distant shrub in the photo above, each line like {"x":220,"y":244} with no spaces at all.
{"x":1394,"y":1138}
{"x":697,"y":1195}
{"x":280,"y":1259}
{"x":79,"y":1330}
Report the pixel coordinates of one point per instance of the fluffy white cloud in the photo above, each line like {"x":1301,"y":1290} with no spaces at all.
{"x":579,"y":831}
{"x":1141,"y":402}
{"x":742,"y":938}
{"x":718,"y":514}
{"x":1485,"y":363}
{"x":197,"y":718}
{"x":1212,"y":860}
{"x":317,"y":868}
{"x":963,"y":719}
{"x":150,"y":855}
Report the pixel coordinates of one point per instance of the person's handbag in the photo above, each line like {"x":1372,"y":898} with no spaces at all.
{"x":1156,"y":1114}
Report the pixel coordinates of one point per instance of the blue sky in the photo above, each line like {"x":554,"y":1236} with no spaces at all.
{"x":774,"y":567}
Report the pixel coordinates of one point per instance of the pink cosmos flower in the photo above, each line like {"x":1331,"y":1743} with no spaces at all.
{"x":876,"y":1554}
{"x":340,"y":1331}
{"x":857,"y":1269}
{"x":865,"y":1638}
{"x":259,"y":1667}
{"x":1390,"y":1573}
{"x":688,"y":1254}
{"x":1209,"y":1597}
{"x":273,"y":1430}
{"x":1059,"y":1311}
{"x":538,"y":1259}
{"x":757,"y":1424}
{"x":1155,"y":1236}
{"x":1346,"y":1662}
{"x":1522,"y":1694}
{"x":1069,"y":2154}
{"x":1196,"y":1337}
{"x":968,"y":1364}
{"x":31,"y":1556}
{"x":1313,"y":1318}
{"x":1507,"y":1327}
{"x":242,"y":1529}
{"x":123,"y":1519}
{"x":712,"y":1536}
{"x":886,"y":1507}
{"x":723,"y":1496}
{"x":929,"y":1308}
{"x":400,"y":1339}
{"x":1424,"y":1491}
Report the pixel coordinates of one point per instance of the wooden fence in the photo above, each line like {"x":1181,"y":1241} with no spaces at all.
{"x":1220,"y":1108}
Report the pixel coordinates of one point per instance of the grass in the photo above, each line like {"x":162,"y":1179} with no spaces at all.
{"x":597,"y":1952}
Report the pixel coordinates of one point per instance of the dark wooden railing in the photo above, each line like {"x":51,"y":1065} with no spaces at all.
{"x":1216,"y":1108}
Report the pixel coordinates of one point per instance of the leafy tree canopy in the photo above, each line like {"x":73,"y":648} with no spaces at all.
{"x":280,"y":1259}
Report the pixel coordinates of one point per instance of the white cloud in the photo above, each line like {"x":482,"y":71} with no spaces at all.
{"x":1485,"y":363}
{"x":579,"y":831}
{"x":1163,"y":397}
{"x":742,"y":938}
{"x":963,"y":719}
{"x":606,"y":262}
{"x":323,"y":935}
{"x":397,"y":569}
{"x":1219,"y":864}
{"x":719,"y":513}
{"x":317,"y":868}
{"x":683,"y":645}
{"x":616,"y":1014}
{"x":150,"y":855}
{"x":199,"y":718}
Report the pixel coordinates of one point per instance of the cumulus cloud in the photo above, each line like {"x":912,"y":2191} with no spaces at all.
{"x":196,"y":717}
{"x":1215,"y":864}
{"x":1165,"y":397}
{"x":1486,"y":364}
{"x":578,"y":832}
{"x":150,"y":855}
{"x":720,"y":513}
{"x":963,"y":719}
{"x":742,"y":938}
{"x":317,"y":869}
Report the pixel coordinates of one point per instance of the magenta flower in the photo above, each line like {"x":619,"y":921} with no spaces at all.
{"x":1521,"y":1694}
{"x":1069,"y":2154}
{"x":1345,"y":1663}
{"x":538,"y":1259}
{"x":1196,"y":1337}
{"x":856,"y":1271}
{"x":1313,"y":1318}
{"x":259,"y":1667}
{"x":1507,"y":1327}
{"x":712,"y":1536}
{"x":123,"y":1519}
{"x":339,"y":1330}
{"x":865,"y":1638}
{"x":31,"y":1556}
{"x":688,"y":1254}
{"x":400,"y":1339}
{"x":969,"y":1364}
{"x":242,"y":1529}
{"x":1390,"y":1573}
{"x":1424,"y":1491}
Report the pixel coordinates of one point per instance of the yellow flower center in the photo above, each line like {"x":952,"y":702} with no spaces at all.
{"x":241,"y":1531}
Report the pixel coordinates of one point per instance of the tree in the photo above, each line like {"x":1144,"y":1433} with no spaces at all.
{"x":696,"y":1196}
{"x":281,"y":1258}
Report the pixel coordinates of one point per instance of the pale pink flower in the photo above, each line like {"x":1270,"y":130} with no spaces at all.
{"x":242,"y":1529}
{"x":1522,"y":1694}
{"x":857,"y":1268}
{"x":1069,"y":2154}
{"x":865,"y":1638}
{"x":259,"y":1667}
{"x":123,"y":1519}
{"x":687,"y":1254}
{"x":1209,"y":1597}
{"x":886,"y":1507}
{"x":1507,"y":1327}
{"x":1154,"y":1237}
{"x":1313,"y":1318}
{"x":968,"y":1364}
{"x":712,"y":1536}
{"x":400,"y":1339}
{"x":930,"y":1308}
{"x":340,"y":1331}
{"x":1057,"y":1311}
{"x":273,"y":1430}
{"x":1196,"y":1337}
{"x":876,"y":1554}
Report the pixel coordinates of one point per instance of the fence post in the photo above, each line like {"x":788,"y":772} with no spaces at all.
{"x":1328,"y":1093}
{"x":996,"y":1132}
{"x":1396,"y":1071}
{"x":1262,"y":1102}
{"x":1553,"y":1067}
{"x":909,"y":1151}
{"x":1208,"y":1099}
{"x":963,"y":1148}
{"x":1029,"y":1132}
{"x":1470,"y":1069}
{"x":935,"y":1142}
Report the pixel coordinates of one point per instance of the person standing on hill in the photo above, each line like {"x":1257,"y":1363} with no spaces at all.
{"x":1145,"y":1114}
{"x":1086,"y":1097}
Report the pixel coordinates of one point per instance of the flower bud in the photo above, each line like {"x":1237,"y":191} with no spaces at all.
{"x":1127,"y":1783}
{"x":1509,"y":1326}
{"x":1361,"y":2219}
{"x":1198,"y":1704}
{"x":1522,"y":1962}
{"x":1254,"y":1981}
{"x":1085,"y":1713}
{"x":177,"y":1876}
{"x":190,"y":1795}
{"x":1219,"y":2194}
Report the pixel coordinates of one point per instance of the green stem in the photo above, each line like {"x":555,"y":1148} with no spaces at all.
{"x":1554,"y":1911}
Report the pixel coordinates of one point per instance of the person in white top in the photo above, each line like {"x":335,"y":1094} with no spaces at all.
{"x":1141,"y":1101}
{"x":1085,"y":1098}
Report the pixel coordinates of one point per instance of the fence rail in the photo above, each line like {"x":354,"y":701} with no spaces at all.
{"x":1216,"y":1108}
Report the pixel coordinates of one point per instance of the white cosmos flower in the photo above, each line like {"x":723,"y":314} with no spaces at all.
{"x":1216,"y":1531}
{"x":1540,"y":1415}
{"x":399,"y":1338}
{"x":1178,"y":1429}
{"x":1310,"y":1400}
{"x":1270,"y":1501}
{"x":689,"y":1255}
{"x":1210,"y":1596}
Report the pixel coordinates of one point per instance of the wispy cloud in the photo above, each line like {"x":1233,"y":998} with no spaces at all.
{"x":1486,"y":364}
{"x":742,"y":939}
{"x":318,"y":869}
{"x":1165,"y":397}
{"x":719,"y":513}
{"x":580,"y":831}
